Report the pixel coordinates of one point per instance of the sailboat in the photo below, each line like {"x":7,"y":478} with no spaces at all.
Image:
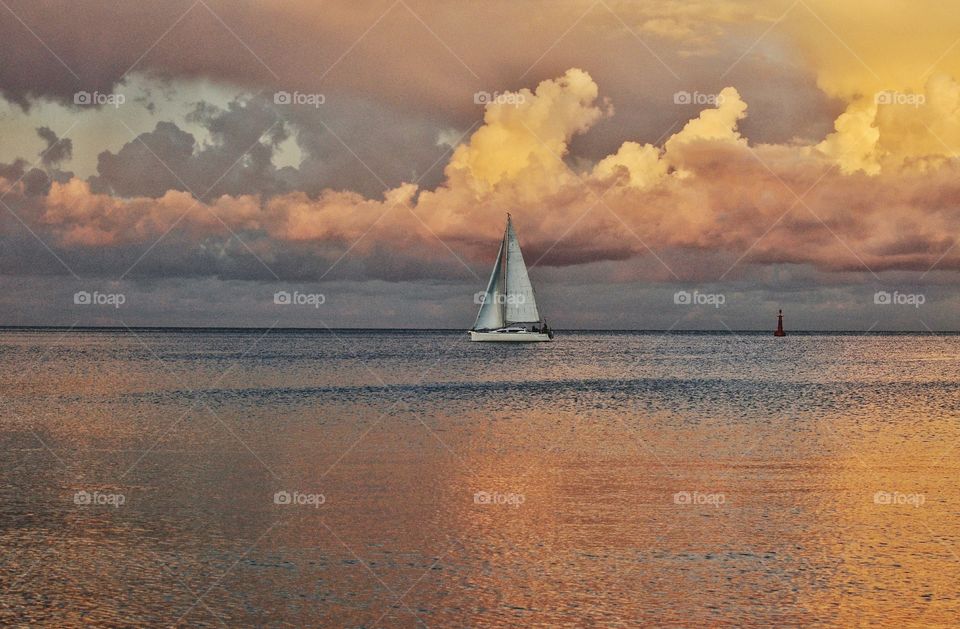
{"x":508,"y":310}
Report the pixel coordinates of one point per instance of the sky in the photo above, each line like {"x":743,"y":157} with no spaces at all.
{"x":668,"y":164}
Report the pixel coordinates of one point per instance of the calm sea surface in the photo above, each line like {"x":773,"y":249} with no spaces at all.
{"x":375,"y":479}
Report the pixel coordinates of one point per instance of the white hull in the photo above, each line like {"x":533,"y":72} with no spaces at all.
{"x":509,"y":337}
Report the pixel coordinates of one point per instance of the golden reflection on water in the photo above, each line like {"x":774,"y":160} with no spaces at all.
{"x":485,"y":503}
{"x":889,"y":525}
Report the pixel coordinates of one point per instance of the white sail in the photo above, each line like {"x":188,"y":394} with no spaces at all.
{"x":521,"y":305}
{"x":491,"y":313}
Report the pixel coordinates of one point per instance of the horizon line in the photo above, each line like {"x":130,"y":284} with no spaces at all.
{"x":261,"y":328}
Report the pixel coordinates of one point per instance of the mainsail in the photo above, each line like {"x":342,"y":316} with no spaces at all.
{"x":509,"y":297}
{"x":521,"y":305}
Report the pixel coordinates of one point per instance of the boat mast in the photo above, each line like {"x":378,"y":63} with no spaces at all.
{"x":506,"y":260}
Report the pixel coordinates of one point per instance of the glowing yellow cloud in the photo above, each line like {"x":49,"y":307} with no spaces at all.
{"x":525,"y":135}
{"x":902,"y":102}
{"x":641,"y":164}
{"x":719,"y":123}
{"x":645,"y":164}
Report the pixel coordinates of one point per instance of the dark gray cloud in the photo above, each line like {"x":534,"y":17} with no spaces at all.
{"x":149,"y":165}
{"x":349,"y":145}
{"x":57,"y":149}
{"x":355,"y":144}
{"x":35,"y":181}
{"x":238,"y":158}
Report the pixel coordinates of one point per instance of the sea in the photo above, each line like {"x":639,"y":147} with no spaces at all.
{"x":364,"y":479}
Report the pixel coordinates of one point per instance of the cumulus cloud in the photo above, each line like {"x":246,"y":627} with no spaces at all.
{"x":894,"y":129}
{"x":900,"y":95}
{"x":57,"y":149}
{"x":241,"y":145}
{"x":642,"y":165}
{"x":525,"y":139}
{"x":237,"y":159}
{"x":645,"y":165}
{"x":705,"y":194}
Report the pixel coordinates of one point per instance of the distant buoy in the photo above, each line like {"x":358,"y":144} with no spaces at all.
{"x":780,"y":331}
